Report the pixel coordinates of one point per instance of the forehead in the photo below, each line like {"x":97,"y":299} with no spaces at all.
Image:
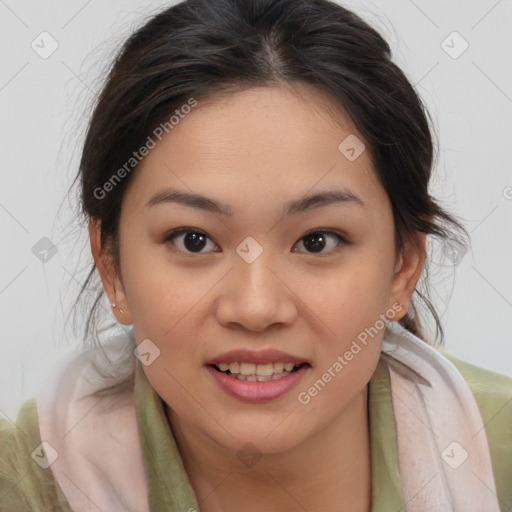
{"x":256,"y":142}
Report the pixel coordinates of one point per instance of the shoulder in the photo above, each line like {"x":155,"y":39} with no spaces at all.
{"x":493,"y":394}
{"x":480,"y":377}
{"x":40,"y":465}
{"x":492,"y":391}
{"x":25,"y":483}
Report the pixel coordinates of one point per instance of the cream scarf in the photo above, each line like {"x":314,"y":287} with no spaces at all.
{"x":443,"y":454}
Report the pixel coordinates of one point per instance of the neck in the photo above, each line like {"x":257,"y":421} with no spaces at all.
{"x":329,"y":471}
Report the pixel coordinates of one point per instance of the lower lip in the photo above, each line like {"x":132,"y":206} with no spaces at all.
{"x":254,"y":391}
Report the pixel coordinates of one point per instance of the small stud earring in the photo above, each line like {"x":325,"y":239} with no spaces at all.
{"x":120,"y":310}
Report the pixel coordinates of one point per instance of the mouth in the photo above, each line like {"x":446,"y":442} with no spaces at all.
{"x":252,"y":372}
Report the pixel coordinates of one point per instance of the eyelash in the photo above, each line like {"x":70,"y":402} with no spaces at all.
{"x":180,"y":231}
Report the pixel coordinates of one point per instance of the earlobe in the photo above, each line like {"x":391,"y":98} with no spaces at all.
{"x":112,"y":285}
{"x":407,"y":272}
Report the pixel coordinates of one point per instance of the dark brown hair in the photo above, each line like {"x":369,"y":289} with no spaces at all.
{"x":200,"y":48}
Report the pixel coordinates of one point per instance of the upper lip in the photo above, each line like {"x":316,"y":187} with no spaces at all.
{"x":256,"y":357}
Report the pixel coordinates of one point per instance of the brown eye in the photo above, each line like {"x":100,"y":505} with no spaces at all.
{"x":316,"y":241}
{"x":194,"y":241}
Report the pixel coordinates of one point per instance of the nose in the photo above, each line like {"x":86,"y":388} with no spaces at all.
{"x":256,"y":296}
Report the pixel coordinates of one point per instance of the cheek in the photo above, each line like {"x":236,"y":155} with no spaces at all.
{"x":160,"y":294}
{"x":353,"y":296}
{"x":349,"y":310}
{"x":349,"y":340}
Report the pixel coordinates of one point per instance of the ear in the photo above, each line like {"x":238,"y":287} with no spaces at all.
{"x":407,"y":273}
{"x":112,"y":283}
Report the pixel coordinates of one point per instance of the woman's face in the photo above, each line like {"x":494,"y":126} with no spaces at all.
{"x":253,"y":280}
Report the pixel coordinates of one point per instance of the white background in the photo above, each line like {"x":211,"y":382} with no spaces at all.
{"x":44,"y":107}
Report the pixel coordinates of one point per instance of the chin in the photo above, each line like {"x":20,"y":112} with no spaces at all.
{"x":244,"y":441}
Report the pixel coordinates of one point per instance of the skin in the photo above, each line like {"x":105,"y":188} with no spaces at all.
{"x":256,"y":150}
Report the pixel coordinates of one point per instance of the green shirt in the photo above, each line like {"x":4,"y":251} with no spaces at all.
{"x":25,"y":486}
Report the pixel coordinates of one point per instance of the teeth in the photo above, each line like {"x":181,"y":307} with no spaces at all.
{"x":278,"y":367}
{"x":265,"y":369}
{"x":234,"y":367}
{"x":260,"y":378}
{"x":247,"y":368}
{"x":257,"y":372}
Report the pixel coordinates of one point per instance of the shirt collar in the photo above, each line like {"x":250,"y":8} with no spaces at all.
{"x":387,"y":493}
{"x":168,"y":485}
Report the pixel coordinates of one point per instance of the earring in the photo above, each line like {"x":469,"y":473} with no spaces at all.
{"x":120,"y":310}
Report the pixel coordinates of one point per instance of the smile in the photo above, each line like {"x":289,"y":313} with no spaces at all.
{"x":257,"y":372}
{"x":247,"y":385}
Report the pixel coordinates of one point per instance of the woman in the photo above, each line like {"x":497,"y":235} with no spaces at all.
{"x":255,"y":180}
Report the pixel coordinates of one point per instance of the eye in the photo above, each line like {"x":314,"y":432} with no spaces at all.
{"x":193,"y":242}
{"x":196,"y":240}
{"x":316,"y":241}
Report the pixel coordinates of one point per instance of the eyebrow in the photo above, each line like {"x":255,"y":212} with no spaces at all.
{"x":306,"y":203}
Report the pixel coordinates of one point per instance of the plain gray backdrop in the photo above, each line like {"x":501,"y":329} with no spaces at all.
{"x":456,"y":53}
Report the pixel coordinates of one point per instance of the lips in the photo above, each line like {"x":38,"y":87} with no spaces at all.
{"x":257,"y":357}
{"x":256,"y":376}
{"x":255,"y":390}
